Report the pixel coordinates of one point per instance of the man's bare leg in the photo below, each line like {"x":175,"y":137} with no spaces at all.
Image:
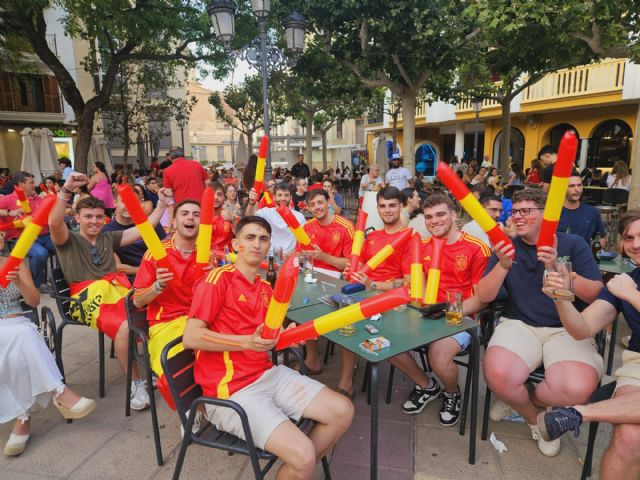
{"x":441,"y":355}
{"x":407,"y":365}
{"x":506,"y":374}
{"x":348,"y":363}
{"x":566,"y":383}
{"x":312,"y":360}
{"x":121,"y":348}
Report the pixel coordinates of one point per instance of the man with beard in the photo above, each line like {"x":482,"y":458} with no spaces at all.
{"x":398,"y":176}
{"x":389,"y":205}
{"x":463,"y":262}
{"x":168,"y":295}
{"x":281,"y":236}
{"x":579,"y":218}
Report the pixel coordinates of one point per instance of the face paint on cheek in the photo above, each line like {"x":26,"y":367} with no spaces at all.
{"x":531,"y":220}
{"x":241,"y":248}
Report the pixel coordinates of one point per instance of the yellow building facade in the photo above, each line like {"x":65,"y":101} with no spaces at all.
{"x":600,"y":102}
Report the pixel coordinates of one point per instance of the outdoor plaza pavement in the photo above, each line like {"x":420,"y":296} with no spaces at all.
{"x":108,"y":445}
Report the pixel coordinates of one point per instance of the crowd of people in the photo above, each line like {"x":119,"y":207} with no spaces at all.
{"x":103,"y":259}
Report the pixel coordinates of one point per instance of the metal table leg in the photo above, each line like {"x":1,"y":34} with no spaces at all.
{"x":374,"y":421}
{"x":475,"y":366}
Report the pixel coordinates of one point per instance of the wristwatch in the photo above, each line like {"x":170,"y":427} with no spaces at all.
{"x":372,"y":286}
{"x":158,"y":287}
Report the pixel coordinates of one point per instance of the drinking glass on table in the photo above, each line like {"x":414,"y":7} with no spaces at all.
{"x":397,"y":284}
{"x":564,"y":271}
{"x":453,"y":315}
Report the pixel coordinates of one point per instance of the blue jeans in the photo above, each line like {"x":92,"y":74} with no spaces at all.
{"x":38,"y":256}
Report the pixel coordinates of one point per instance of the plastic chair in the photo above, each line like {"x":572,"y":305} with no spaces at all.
{"x":64,"y":301}
{"x":138,"y":350}
{"x":187,"y":396}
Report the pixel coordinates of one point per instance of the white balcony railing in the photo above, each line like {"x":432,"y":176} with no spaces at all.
{"x":604,"y":77}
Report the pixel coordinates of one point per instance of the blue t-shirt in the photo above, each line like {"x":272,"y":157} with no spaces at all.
{"x":584,"y":221}
{"x":523,"y":283}
{"x":131,"y":254}
{"x":506,"y":210}
{"x":631,"y":315}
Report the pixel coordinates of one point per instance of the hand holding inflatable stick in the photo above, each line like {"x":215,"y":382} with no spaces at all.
{"x":358,"y":242}
{"x":433,"y":277}
{"x":149,"y":235}
{"x":340,"y":318}
{"x":386,"y":251}
{"x":416,"y":270}
{"x":558,"y":189}
{"x":203,"y":242}
{"x":258,"y":182}
{"x":472,"y":206}
{"x":27,"y":238}
{"x":295,"y":227}
{"x":282,"y":293}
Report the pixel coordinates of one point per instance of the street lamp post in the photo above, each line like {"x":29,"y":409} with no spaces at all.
{"x":476,"y":105}
{"x":180,"y":119}
{"x":261,"y":53}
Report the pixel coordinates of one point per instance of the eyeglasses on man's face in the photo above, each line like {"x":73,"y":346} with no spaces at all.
{"x":524,"y":212}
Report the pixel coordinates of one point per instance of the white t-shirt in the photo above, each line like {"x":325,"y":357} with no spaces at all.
{"x":370,"y":187}
{"x":398,"y":177}
{"x":281,"y":236}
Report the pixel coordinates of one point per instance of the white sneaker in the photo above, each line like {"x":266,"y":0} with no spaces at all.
{"x":199,"y":423}
{"x":625,"y":341}
{"x":550,"y":449}
{"x":499,"y":410}
{"x":139,"y":396}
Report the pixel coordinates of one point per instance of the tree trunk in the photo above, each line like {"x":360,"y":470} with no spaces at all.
{"x":634,"y":193}
{"x":249,"y":135}
{"x":505,"y":141}
{"x":409,"y":130}
{"x":309,"y":138}
{"x":126,"y":142}
{"x":83,"y":140}
{"x":324,"y":150}
{"x":394,"y":131}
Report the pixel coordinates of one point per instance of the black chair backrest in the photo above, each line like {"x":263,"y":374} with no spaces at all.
{"x":178,"y":371}
{"x":136,"y":317}
{"x":615,"y":196}
{"x":60,"y":287}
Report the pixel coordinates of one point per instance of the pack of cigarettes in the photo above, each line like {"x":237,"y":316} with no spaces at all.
{"x":376,"y":343}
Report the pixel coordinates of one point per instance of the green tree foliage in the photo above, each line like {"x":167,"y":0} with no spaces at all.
{"x":320,"y":92}
{"x":116,"y":32}
{"x":406,"y":46}
{"x":141,"y":102}
{"x":241,"y":106}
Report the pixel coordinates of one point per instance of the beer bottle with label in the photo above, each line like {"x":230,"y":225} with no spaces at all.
{"x":271,"y":271}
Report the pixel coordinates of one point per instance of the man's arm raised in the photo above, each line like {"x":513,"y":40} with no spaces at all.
{"x":57,"y":227}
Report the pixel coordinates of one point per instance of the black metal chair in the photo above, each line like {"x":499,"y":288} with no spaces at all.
{"x":605,"y":392}
{"x":64,"y":302}
{"x":138,"y":350}
{"x":187,"y":396}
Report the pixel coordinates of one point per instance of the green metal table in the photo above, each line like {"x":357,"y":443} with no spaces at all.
{"x":313,"y":291}
{"x":406,"y":331}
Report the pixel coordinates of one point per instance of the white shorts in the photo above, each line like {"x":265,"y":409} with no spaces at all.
{"x":280,"y":394}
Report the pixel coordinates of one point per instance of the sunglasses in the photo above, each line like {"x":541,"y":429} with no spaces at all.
{"x":96,"y":258}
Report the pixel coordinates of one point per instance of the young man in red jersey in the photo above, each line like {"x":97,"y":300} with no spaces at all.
{"x":389,"y":205}
{"x":233,"y":363}
{"x":223,"y":220}
{"x":331,"y":238}
{"x":167,"y":296}
{"x":463,"y":263}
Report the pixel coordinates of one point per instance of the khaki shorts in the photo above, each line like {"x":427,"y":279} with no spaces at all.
{"x":629,"y":372}
{"x":538,"y":346}
{"x":280,"y":394}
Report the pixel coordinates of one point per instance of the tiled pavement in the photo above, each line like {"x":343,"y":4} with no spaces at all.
{"x":108,"y":445}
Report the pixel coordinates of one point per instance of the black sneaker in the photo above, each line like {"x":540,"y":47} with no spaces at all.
{"x":450,"y":411}
{"x":556,"y":422}
{"x":420,"y":398}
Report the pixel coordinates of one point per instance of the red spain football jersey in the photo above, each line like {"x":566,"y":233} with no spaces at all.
{"x":222,"y":233}
{"x":463,"y":265}
{"x":176,"y":298}
{"x":335,"y":239}
{"x":391,"y":268}
{"x":230,"y":304}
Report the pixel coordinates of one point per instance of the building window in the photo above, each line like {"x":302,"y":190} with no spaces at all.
{"x":220,"y":154}
{"x":339,"y":129}
{"x":609,"y":143}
